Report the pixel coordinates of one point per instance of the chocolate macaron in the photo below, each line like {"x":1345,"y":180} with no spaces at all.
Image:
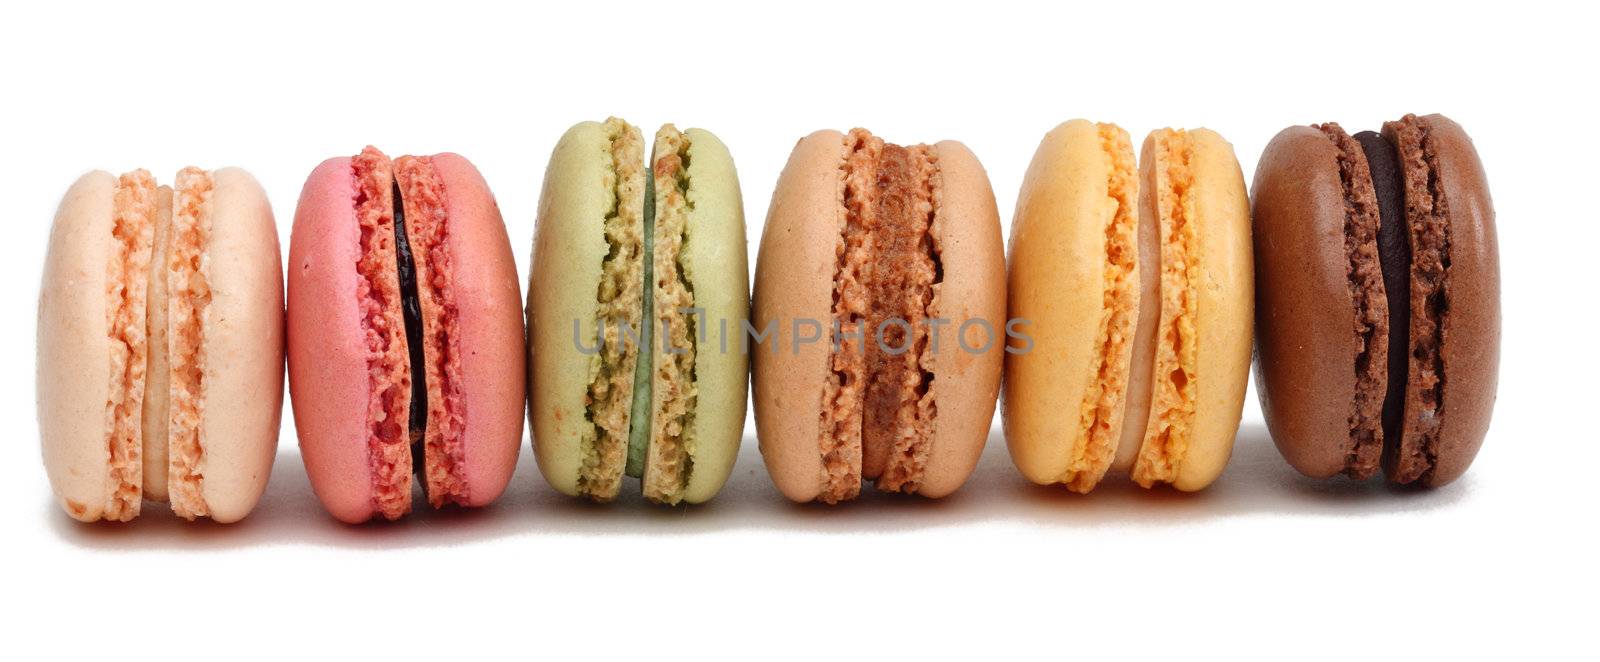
{"x":879,"y":302}
{"x":1378,"y":299}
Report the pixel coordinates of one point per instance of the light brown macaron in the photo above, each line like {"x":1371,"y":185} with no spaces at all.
{"x":160,"y":345}
{"x":1133,"y":285}
{"x":878,"y":318}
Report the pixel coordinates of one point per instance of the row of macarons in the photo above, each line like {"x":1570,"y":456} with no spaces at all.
{"x":885,"y":321}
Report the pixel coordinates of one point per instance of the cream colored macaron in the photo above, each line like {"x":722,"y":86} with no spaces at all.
{"x":1136,"y":287}
{"x":160,"y":345}
{"x":628,"y":257}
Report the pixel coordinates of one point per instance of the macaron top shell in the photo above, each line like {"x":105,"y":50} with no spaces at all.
{"x":243,"y":346}
{"x":73,"y":371}
{"x":1300,"y":221}
{"x":1060,"y":253}
{"x":562,"y":309}
{"x":715,"y":262}
{"x":488,"y":303}
{"x":972,"y":295}
{"x":1222,"y":284}
{"x":328,"y":377}
{"x":794,"y":281}
{"x":1469,"y":337}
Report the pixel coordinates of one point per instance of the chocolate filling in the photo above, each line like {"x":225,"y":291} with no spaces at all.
{"x":411,"y":311}
{"x":1394,"y":253}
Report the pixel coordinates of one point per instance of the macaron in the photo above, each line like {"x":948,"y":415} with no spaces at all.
{"x":160,"y":345}
{"x":1133,"y":281}
{"x":405,"y":337}
{"x":637,"y":301}
{"x":879,"y":308}
{"x":1378,"y":299}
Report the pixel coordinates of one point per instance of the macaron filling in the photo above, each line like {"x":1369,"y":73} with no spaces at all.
{"x":878,"y":409}
{"x":411,"y":315}
{"x":1172,"y":411}
{"x":158,"y":372}
{"x":437,"y":418}
{"x":619,"y":309}
{"x":1365,"y":278}
{"x":1394,"y":252}
{"x":188,"y":297}
{"x":134,"y":207}
{"x":671,"y":391}
{"x":1100,"y":416}
{"x":387,"y":351}
{"x":1412,"y":457}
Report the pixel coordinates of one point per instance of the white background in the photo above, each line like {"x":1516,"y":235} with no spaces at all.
{"x":1265,"y":563}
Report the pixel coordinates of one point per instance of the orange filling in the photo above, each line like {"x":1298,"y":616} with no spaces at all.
{"x":1100,"y":415}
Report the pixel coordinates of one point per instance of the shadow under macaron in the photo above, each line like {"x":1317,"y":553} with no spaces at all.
{"x":1257,"y":482}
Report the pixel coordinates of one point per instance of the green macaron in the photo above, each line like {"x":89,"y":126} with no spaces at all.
{"x":637,"y":301}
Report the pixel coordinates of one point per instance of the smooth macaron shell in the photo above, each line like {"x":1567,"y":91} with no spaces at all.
{"x":1470,"y":345}
{"x":1223,"y":285}
{"x":243,"y":347}
{"x":714,"y":258}
{"x":569,"y":247}
{"x":327,"y":350}
{"x":1058,"y":259}
{"x":73,"y":345}
{"x":1305,"y":374}
{"x":489,"y":308}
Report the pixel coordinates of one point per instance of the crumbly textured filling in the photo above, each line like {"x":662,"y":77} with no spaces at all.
{"x":1172,"y":407}
{"x":427,"y":228}
{"x":878,"y":410}
{"x":388,"y":364}
{"x":188,"y":296}
{"x":840,"y":443}
{"x":1427,"y":217}
{"x":134,"y":209}
{"x":673,"y":392}
{"x":1100,"y":415}
{"x":897,"y":423}
{"x":620,"y":296}
{"x":1364,"y":273}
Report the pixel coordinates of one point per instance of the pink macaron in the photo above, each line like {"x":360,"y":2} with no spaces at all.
{"x":405,"y":335}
